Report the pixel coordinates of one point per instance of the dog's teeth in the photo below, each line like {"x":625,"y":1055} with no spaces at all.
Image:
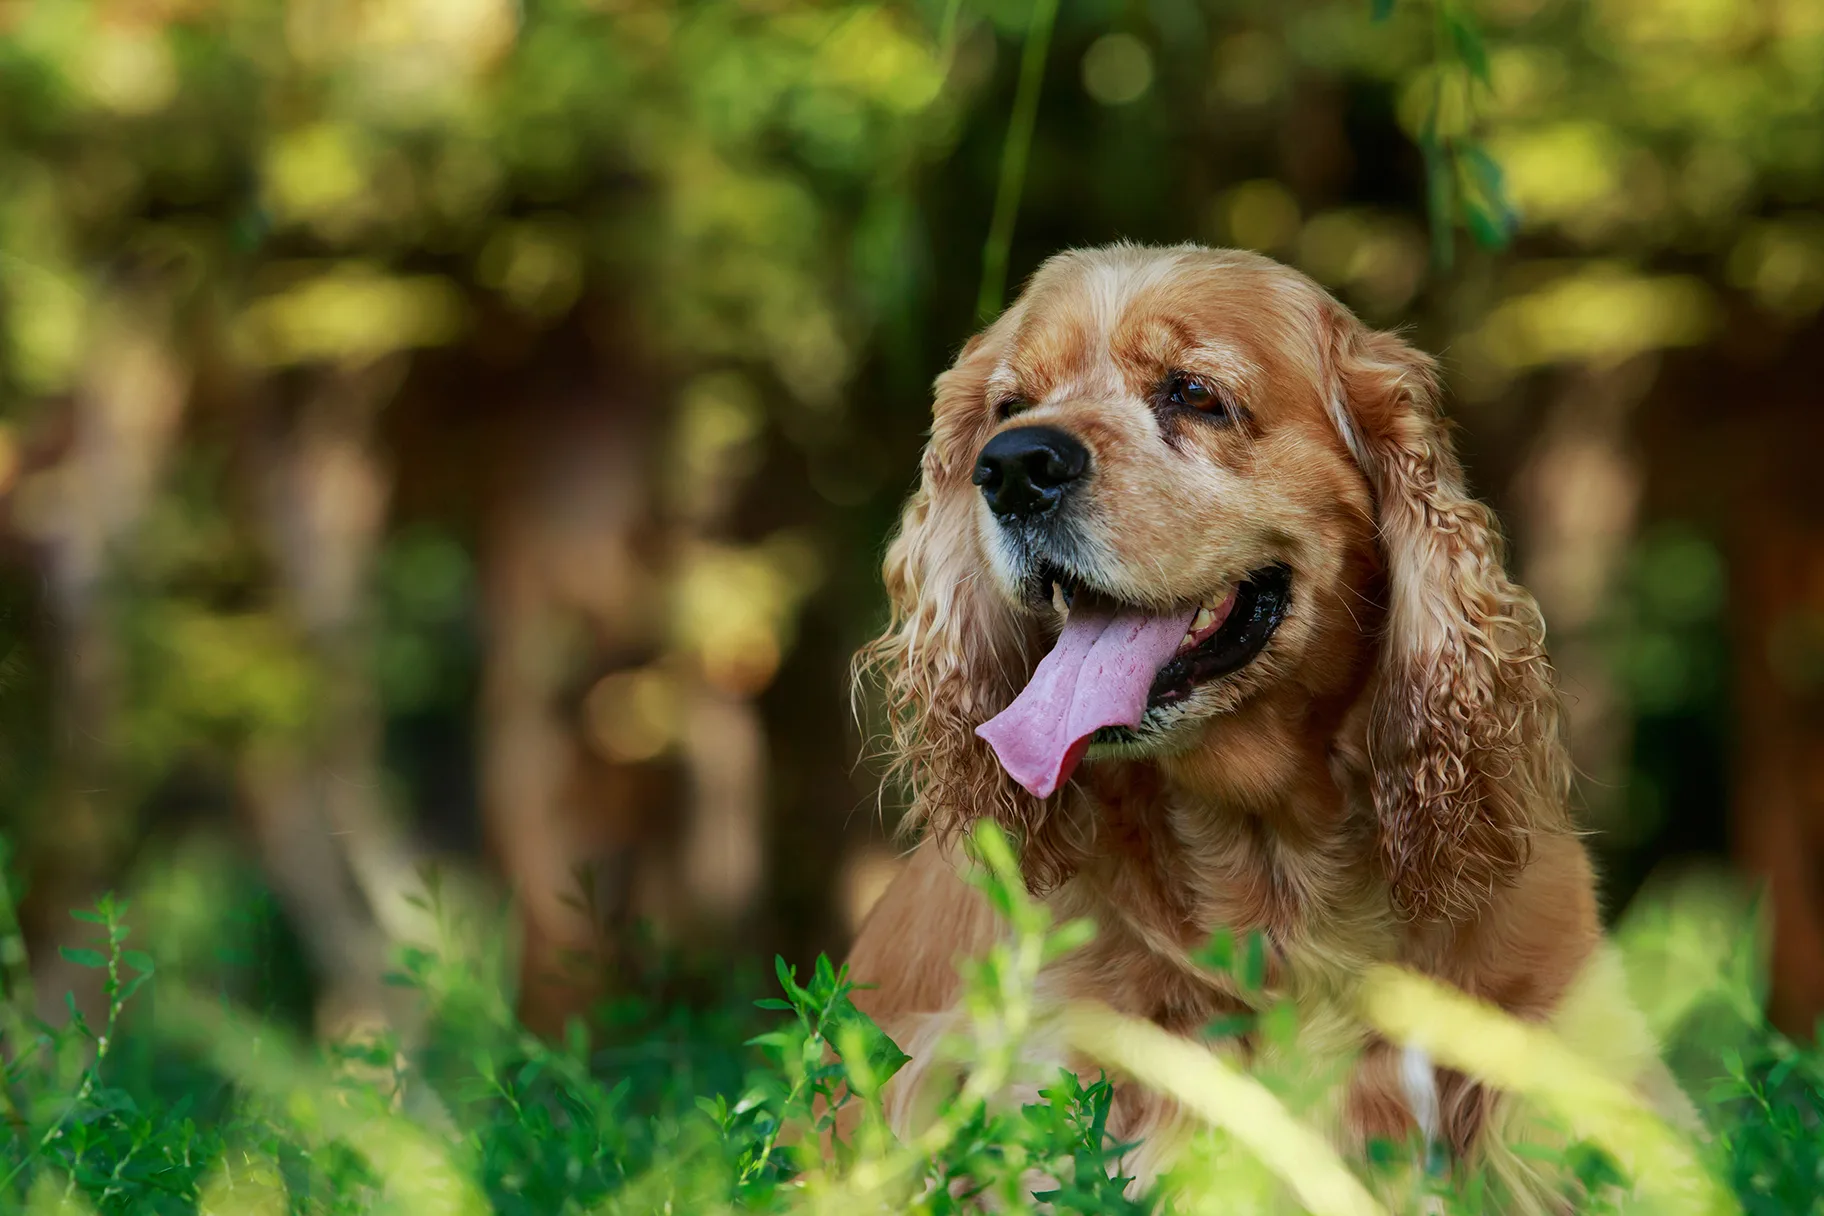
{"x":1189,"y":640}
{"x":1057,"y":599}
{"x":1202,"y":620}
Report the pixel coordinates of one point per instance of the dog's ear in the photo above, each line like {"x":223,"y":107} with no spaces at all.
{"x":1464,"y":739}
{"x":952,"y":653}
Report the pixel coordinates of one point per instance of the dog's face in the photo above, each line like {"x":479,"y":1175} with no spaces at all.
{"x":1210,"y":496}
{"x":1155,"y":429}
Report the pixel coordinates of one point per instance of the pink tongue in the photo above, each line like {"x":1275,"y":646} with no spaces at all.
{"x":1097,"y":675}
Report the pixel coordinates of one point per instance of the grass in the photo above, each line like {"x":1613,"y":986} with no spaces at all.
{"x":182,"y":1098}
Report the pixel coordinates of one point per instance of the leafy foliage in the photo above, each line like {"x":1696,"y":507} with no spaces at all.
{"x":190,"y":1106}
{"x":264,"y":195}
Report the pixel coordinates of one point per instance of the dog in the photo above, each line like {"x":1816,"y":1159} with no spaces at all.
{"x":1192,"y":599}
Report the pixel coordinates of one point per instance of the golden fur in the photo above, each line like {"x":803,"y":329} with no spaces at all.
{"x":1385,"y":782}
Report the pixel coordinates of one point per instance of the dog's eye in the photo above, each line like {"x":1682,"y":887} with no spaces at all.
{"x":1193,"y":392}
{"x":1007,"y":407}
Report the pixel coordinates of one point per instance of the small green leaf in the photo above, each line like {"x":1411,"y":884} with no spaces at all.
{"x":788,"y":980}
{"x":1484,"y":170}
{"x":1484,"y":227}
{"x":1217,"y":954}
{"x":139,"y":960}
{"x":1069,"y":936}
{"x":83,"y":957}
{"x":1440,"y":202}
{"x":1229,"y":1026}
{"x":1485,"y":209}
{"x":1537,"y":1152}
{"x":1254,"y":970}
{"x":473,"y":1089}
{"x":1470,"y":48}
{"x":576,"y":1038}
{"x":993,"y":847}
{"x":1279,"y":1024}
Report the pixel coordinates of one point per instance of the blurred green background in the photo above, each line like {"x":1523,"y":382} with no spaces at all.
{"x":463,"y":433}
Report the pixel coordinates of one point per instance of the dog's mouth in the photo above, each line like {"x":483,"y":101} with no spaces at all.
{"x":1253,"y":613}
{"x":1226,"y":634}
{"x":1118,"y":670}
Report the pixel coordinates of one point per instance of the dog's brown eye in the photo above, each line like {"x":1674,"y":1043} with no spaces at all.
{"x":1007,"y":407}
{"x":1194,"y":393}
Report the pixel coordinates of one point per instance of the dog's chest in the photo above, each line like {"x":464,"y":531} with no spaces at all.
{"x":1165,"y":882}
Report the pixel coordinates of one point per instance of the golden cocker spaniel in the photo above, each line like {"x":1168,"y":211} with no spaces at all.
{"x":1191,"y":597}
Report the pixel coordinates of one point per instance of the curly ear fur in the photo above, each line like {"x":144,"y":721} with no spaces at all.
{"x":1468,"y":762}
{"x":952,"y":655}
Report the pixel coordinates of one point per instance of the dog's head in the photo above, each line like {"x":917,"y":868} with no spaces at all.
{"x":1170,"y":487}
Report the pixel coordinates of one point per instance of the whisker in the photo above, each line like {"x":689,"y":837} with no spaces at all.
{"x":1353,"y":619}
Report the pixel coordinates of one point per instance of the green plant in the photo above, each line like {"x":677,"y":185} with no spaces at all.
{"x":171,"y":1101}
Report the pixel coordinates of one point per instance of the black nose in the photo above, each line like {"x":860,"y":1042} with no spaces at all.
{"x":1026,"y":471}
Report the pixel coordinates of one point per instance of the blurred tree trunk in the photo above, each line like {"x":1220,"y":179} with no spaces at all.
{"x":1778,"y":585}
{"x":1779,"y":800}
{"x":1578,"y":497}
{"x":617,"y":782}
{"x":81,"y":514}
{"x":325,"y":834}
{"x":1736,"y":440}
{"x":565,"y":591}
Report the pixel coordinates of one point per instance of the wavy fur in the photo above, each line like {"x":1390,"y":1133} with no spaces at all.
{"x":1467,"y":757}
{"x":953,"y":654}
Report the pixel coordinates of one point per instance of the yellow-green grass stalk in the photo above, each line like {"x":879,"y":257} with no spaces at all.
{"x":1204,"y":1084}
{"x":1533,"y":1063}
